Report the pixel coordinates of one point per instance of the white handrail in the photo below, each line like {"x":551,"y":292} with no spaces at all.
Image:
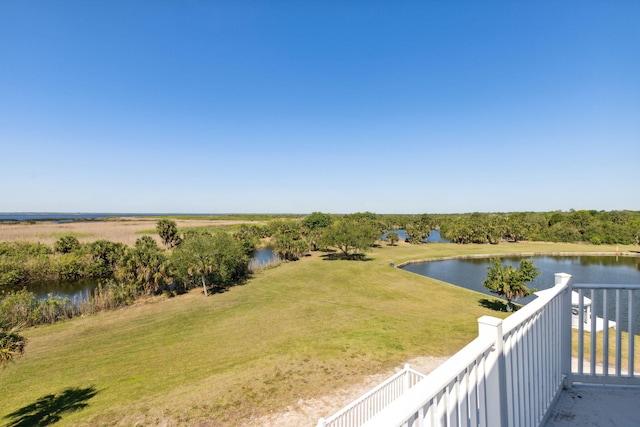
{"x":468,"y":363}
{"x":376,"y":399}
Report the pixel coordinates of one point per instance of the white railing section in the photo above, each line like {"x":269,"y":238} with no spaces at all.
{"x":514,"y":371}
{"x":368,"y":405}
{"x":500,"y":378}
{"x":605,"y":355}
{"x":536,"y":350}
{"x":456,"y":391}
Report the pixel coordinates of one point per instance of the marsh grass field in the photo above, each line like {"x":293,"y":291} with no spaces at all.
{"x":124,"y":230}
{"x":293,"y":333}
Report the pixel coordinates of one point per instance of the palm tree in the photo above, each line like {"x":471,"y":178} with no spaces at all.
{"x":197,"y":254}
{"x":12,"y":346}
{"x":509,"y":282}
{"x":168,"y":231}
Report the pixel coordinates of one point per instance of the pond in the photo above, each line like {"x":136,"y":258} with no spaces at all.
{"x":470,"y":273}
{"x":73,"y":289}
{"x":434,"y":236}
{"x":264,"y":256}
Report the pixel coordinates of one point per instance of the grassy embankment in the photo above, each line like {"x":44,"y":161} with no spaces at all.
{"x":296,"y":331}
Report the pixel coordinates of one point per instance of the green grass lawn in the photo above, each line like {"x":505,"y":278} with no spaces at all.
{"x":299,"y":330}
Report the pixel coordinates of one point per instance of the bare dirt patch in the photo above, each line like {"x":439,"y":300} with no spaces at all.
{"x":123,"y":230}
{"x":307,"y":412}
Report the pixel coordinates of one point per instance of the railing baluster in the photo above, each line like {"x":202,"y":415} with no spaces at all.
{"x":592,"y":340}
{"x":473,"y":394}
{"x":509,"y":372}
{"x":545,"y":366}
{"x":537,"y":348}
{"x":530,"y":367}
{"x":482,"y":393}
{"x":430,"y":416}
{"x":618,"y":334}
{"x":463,"y":397}
{"x":631,"y":336}
{"x":517,"y":386}
{"x":565,"y":337}
{"x":605,"y":334}
{"x":452,"y":407}
{"x":442,"y":408}
{"x":580,"y":331}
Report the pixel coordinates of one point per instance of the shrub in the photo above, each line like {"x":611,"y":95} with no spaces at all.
{"x":66,"y":244}
{"x":70,"y":266}
{"x":12,"y":273}
{"x":19,"y":309}
{"x":108,"y":296}
{"x":104,"y":256}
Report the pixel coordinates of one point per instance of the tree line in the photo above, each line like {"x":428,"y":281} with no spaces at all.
{"x":154,"y":268}
{"x":23,"y":262}
{"x":574,"y":226}
{"x":218,"y":259}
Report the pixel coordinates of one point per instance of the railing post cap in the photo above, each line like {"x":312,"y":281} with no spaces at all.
{"x":322,"y":422}
{"x":562,"y":278}
{"x":489,"y":321}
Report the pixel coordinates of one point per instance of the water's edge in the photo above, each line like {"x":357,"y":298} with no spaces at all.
{"x":518,"y":254}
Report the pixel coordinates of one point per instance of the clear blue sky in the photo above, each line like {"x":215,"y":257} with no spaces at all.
{"x":334,"y":106}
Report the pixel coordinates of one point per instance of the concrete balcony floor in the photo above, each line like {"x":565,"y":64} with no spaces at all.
{"x":602,"y":406}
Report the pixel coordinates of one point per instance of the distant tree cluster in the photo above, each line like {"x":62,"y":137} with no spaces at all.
{"x":585,"y":226}
{"x":351,"y":235}
{"x":418,"y":228}
{"x":595,"y":227}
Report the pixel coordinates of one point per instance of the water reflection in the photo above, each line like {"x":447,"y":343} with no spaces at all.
{"x":264,"y":256}
{"x":470,"y":273}
{"x":434,"y":236}
{"x":73,"y":289}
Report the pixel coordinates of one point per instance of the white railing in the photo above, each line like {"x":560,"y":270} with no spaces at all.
{"x":495,"y":380}
{"x":514,"y":371}
{"x":537,"y":355}
{"x":372,"y":402}
{"x":610,"y":357}
{"x":450,"y":393}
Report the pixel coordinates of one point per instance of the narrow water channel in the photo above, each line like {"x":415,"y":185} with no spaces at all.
{"x":79,"y":289}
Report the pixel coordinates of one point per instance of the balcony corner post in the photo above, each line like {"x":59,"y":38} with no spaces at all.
{"x":564,"y":279}
{"x":496,"y":381}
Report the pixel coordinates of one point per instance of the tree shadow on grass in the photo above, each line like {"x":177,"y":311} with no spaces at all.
{"x":493,"y":304}
{"x":341,"y":256}
{"x":498,"y":305}
{"x":49,"y":409}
